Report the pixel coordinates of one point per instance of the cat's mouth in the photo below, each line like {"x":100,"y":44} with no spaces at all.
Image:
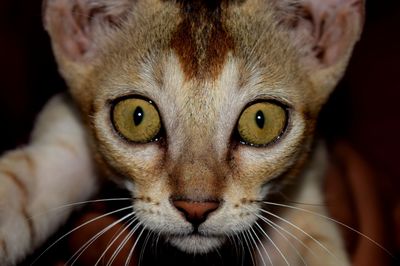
{"x":196,"y":233}
{"x":196,"y":242}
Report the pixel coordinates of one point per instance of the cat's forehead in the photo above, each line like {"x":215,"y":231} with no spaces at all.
{"x":203,"y":36}
{"x":201,"y":40}
{"x":290,"y":43}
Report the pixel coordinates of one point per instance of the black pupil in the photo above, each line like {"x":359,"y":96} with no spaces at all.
{"x":138,"y":116}
{"x":260,"y":119}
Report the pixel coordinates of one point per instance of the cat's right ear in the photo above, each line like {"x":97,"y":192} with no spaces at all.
{"x":324,"y":33}
{"x":78,"y":27}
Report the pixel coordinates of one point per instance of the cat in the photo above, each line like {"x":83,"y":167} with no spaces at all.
{"x":204,"y":110}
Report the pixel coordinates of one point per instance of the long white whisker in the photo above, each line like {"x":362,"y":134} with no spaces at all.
{"x":240,"y":243}
{"x":262,"y":246}
{"x":152,"y":239}
{"x":243,"y":248}
{"x":125,"y":226}
{"x":255,"y":245}
{"x":233,"y":241}
{"x":77,"y":228}
{"x":144,"y":246}
{"x":304,"y":232}
{"x":154,"y":236}
{"x":249,"y":247}
{"x":273,"y":243}
{"x":275,"y":226}
{"x":219,"y":254}
{"x":116,"y":238}
{"x":332,"y":220}
{"x":133,"y":248}
{"x":258,"y":249}
{"x":156,"y":243}
{"x":69,"y":205}
{"x":123,"y":243}
{"x":88,"y":243}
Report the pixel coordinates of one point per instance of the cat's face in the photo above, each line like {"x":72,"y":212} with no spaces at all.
{"x":199,"y":105}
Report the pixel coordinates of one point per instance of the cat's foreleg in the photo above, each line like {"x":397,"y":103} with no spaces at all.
{"x":54,"y":169}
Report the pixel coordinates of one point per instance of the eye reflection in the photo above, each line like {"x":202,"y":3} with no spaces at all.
{"x":138,"y":116}
{"x":260,"y":120}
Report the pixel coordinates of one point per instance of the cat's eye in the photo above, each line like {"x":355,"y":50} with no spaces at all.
{"x":262,"y":123}
{"x":137,"y":120}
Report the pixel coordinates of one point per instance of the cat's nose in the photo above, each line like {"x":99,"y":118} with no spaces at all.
{"x":196,"y":212}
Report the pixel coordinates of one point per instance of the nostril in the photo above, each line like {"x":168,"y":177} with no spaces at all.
{"x":196,"y":212}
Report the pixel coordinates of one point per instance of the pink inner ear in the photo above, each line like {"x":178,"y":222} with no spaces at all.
{"x":64,"y":20}
{"x":73,"y":24}
{"x":334,"y":20}
{"x":335,"y":39}
{"x":75,"y":40}
{"x":326,"y":29}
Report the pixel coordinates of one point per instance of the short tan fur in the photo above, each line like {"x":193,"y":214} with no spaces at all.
{"x":201,"y":63}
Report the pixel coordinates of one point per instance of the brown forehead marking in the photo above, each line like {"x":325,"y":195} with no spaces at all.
{"x":201,"y":40}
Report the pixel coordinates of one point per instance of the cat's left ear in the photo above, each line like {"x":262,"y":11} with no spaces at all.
{"x":80,"y":31}
{"x":324,"y":32}
{"x":78,"y":28}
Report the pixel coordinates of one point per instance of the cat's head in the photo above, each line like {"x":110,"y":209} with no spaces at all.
{"x":199,"y":105}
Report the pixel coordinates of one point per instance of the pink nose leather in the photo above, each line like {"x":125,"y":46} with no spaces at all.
{"x":196,"y":212}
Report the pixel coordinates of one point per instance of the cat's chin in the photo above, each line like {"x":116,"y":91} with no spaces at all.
{"x":196,"y":244}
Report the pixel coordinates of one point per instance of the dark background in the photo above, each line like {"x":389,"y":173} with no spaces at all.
{"x":364,"y":110}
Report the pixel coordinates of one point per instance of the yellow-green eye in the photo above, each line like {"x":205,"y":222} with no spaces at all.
{"x":137,"y":120}
{"x":262,"y":123}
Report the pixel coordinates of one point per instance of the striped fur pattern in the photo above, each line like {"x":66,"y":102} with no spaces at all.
{"x":42,"y":176}
{"x":201,"y":62}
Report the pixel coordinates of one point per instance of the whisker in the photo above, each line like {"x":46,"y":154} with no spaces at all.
{"x":152,"y":240}
{"x":123,"y":227}
{"x":238,"y":237}
{"x":156,"y":243}
{"x":242,"y":250}
{"x":248,"y":247}
{"x":123,"y":243}
{"x":109,"y":245}
{"x":255,"y":244}
{"x":274,"y":226}
{"x":219,"y":255}
{"x":273,"y":243}
{"x":69,"y":205}
{"x":77,"y":228}
{"x":304,"y":232}
{"x":332,"y":220}
{"x":233,"y":241}
{"x":133,"y":248}
{"x":300,"y":203}
{"x":262,"y":246}
{"x":88,"y":243}
{"x":144,"y":246}
{"x":258,"y":249}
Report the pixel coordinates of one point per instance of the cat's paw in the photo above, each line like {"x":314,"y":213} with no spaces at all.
{"x":16,"y":232}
